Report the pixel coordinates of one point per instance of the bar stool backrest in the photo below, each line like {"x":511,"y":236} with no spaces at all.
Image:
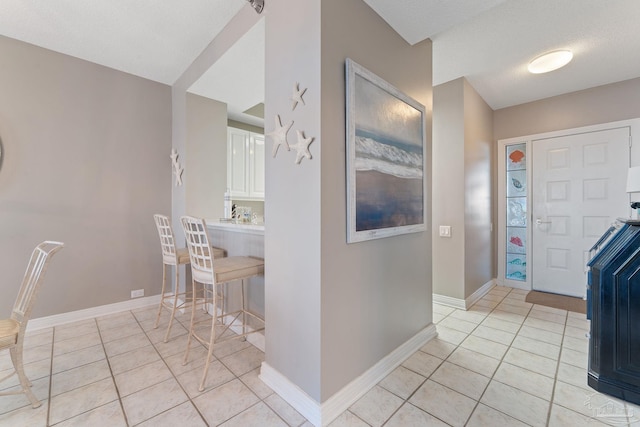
{"x":31,"y":281}
{"x":167,"y":241}
{"x":195,"y":231}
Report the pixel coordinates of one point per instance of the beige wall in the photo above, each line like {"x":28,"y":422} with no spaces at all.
{"x":316,"y":283}
{"x":86,"y":161}
{"x":478,"y":169}
{"x":245,"y":126}
{"x":380,"y":288}
{"x":205,"y":174}
{"x":293,"y":228}
{"x":462,"y":167}
{"x":448,"y":189}
{"x":602,"y":104}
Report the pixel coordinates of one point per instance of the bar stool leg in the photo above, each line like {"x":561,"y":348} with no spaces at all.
{"x":193,"y":319}
{"x":175,"y":302}
{"x":16,"y":358}
{"x":244,"y":311}
{"x":212,"y":339}
{"x":164,"y":284}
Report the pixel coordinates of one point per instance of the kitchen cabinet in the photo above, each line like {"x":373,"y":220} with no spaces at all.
{"x":245,"y":164}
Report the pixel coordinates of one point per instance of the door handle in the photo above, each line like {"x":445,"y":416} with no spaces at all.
{"x":539,"y":222}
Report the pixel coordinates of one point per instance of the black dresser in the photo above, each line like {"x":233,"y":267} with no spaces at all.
{"x":613,"y":305}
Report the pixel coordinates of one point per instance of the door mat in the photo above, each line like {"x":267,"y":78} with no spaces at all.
{"x":562,"y":302}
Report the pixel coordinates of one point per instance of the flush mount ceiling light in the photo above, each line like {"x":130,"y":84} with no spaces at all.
{"x":550,"y":61}
{"x":258,"y":5}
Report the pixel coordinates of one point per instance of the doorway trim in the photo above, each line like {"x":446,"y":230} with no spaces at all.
{"x":634,"y":158}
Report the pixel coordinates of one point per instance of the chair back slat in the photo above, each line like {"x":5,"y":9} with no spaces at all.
{"x":32,"y":280}
{"x":195,"y":231}
{"x":167,"y":240}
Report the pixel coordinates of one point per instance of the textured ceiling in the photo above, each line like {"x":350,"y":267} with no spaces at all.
{"x":493,"y":49}
{"x":491,"y":42}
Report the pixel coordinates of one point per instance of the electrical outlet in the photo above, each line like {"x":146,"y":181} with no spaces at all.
{"x":445,"y":231}
{"x":137,"y":293}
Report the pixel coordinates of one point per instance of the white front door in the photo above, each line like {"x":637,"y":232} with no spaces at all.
{"x":578,"y":190}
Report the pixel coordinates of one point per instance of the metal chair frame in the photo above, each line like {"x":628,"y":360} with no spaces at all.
{"x":12,"y":330}
{"x":207,"y":276}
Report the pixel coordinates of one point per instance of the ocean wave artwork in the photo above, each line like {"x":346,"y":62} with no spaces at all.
{"x":386,"y":159}
{"x":389,"y":186}
{"x":395,"y":160}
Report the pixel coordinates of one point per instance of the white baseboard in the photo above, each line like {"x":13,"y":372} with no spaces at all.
{"x":519,"y":285}
{"x":482,"y":291}
{"x":256,"y":339}
{"x":322,"y":414}
{"x":90,"y":313}
{"x":458,"y":303}
{"x":464,"y":304}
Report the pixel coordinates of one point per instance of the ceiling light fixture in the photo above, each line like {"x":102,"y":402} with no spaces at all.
{"x":550,"y":61}
{"x":258,"y":5}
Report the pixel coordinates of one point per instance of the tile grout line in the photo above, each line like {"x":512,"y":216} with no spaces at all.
{"x":174,"y":376}
{"x":235,"y":377}
{"x":53,"y":340}
{"x":500,"y":361}
{"x":113,"y":378}
{"x":555,"y":377}
{"x":442,"y":362}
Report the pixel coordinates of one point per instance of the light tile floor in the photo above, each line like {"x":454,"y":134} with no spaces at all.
{"x":504,"y":362}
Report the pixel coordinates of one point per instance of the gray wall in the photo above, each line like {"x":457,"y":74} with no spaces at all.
{"x":463,"y":159}
{"x":448,"y":189}
{"x":206,"y":172}
{"x":86,"y":161}
{"x":293,"y":229}
{"x":381,"y":288}
{"x":479,"y":160}
{"x":316,"y":284}
{"x":602,"y":104}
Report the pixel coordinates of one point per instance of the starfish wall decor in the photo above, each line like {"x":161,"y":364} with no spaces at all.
{"x":302,"y":147}
{"x":279,"y":135}
{"x":177,"y":169}
{"x":297,"y":96}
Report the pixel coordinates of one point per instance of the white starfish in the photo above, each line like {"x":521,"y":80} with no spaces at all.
{"x":302,"y":147}
{"x":178,"y":173}
{"x":177,"y":170}
{"x":297,"y":96}
{"x":279,"y":135}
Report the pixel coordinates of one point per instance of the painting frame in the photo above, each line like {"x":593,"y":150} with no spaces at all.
{"x":386,"y":158}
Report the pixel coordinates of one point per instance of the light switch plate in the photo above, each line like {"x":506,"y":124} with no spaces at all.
{"x":445,"y":231}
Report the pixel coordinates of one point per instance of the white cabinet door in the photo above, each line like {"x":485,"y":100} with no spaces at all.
{"x":245,"y":164}
{"x":237,"y":163}
{"x":256,"y":166}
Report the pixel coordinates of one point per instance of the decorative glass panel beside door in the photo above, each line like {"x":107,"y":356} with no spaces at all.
{"x":516,"y":205}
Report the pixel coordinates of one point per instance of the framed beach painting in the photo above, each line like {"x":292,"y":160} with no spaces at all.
{"x":385,"y":158}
